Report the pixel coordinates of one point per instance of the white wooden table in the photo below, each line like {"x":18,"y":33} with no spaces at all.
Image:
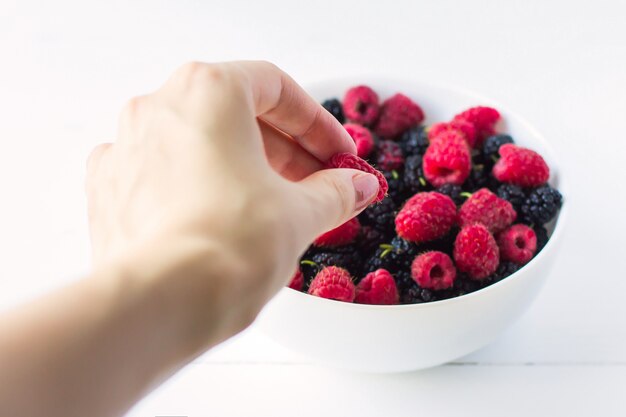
{"x":66,"y":67}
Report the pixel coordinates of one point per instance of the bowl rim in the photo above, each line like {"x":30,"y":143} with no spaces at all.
{"x":555,"y":168}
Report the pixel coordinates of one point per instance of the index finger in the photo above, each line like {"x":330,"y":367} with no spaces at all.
{"x":280,"y":101}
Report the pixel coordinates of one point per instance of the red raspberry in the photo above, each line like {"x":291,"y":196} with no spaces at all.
{"x":390,"y":155}
{"x":426,"y":216}
{"x":297,"y":281}
{"x":334,"y":283}
{"x":397,"y":114}
{"x":362,"y":138}
{"x":517,"y":244}
{"x":484,"y":120}
{"x":488,"y":209}
{"x":520,"y":166}
{"x":447,"y":160}
{"x":347,"y":160}
{"x":463,"y":126}
{"x":377,"y":287}
{"x":476,"y":252}
{"x":360,"y":104}
{"x":433,"y":270}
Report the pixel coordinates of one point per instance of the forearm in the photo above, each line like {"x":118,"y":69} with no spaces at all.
{"x":98,"y":345}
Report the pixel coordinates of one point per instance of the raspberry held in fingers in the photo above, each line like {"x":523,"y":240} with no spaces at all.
{"x":348,"y":160}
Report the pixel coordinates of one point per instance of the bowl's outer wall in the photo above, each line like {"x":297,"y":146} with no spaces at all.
{"x":411,"y":337}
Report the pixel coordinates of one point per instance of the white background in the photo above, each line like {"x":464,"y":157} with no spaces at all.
{"x":67,"y":67}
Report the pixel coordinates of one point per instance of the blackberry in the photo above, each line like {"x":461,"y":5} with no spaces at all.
{"x":414,"y":141}
{"x":465,"y":285}
{"x":405,"y":248}
{"x":380,"y":215}
{"x":369,"y":239}
{"x":387,"y":258}
{"x":480,"y":177}
{"x":396,"y":185}
{"x":417,"y":295}
{"x":404,"y":281}
{"x":513,"y":194}
{"x":414,"y":180}
{"x":541,"y":205}
{"x":346,"y":257}
{"x":505,"y":269}
{"x":444,"y":244}
{"x":453,"y":191}
{"x":492,"y":145}
{"x":333,"y":106}
{"x":542,"y":237}
{"x":389,"y":156}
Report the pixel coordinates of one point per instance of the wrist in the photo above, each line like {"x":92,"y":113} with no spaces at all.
{"x":189,"y":294}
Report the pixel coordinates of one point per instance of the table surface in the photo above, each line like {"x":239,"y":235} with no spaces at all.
{"x":67,"y":67}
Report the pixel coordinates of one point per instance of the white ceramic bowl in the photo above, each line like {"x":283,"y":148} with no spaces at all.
{"x":410,"y":337}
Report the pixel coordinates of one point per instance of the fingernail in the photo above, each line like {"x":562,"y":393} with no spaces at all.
{"x":365,"y":187}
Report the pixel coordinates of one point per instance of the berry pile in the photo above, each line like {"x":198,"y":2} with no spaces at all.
{"x":460,"y":206}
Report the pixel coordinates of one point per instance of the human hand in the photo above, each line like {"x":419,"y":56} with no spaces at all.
{"x":202,"y":189}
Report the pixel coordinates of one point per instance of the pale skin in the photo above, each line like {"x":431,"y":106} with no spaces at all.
{"x":198,"y":213}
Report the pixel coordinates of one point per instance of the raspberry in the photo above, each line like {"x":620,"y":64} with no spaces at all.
{"x":414,"y":141}
{"x":520,"y":166}
{"x":426,"y":216}
{"x":462,"y":126}
{"x":476,"y":252}
{"x":334,"y":283}
{"x":362,"y":138}
{"x":360,"y":104}
{"x":389,"y":155}
{"x":347,"y":160}
{"x":488,"y":209}
{"x":484,"y":120}
{"x":333,"y":106}
{"x":397,"y":114}
{"x":542,"y":205}
{"x":433,"y":270}
{"x":377,"y":287}
{"x":492,"y":146}
{"x":297,"y":281}
{"x":340,"y":235}
{"x":447,"y":160}
{"x":517,"y":244}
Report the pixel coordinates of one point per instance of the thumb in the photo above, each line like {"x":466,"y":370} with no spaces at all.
{"x":331,"y":197}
